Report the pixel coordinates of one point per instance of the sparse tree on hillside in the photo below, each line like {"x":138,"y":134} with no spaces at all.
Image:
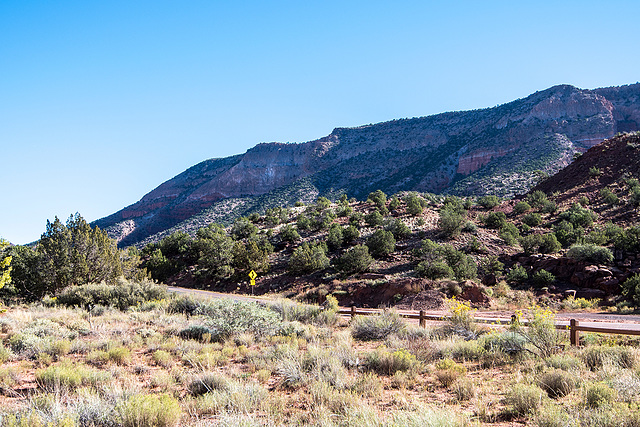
{"x":381,"y":243}
{"x":308,"y":258}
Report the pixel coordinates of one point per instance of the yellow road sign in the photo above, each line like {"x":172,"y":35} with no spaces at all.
{"x":253,"y":282}
{"x":252,"y":275}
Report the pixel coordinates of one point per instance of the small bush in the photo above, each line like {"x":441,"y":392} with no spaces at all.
{"x":381,"y":243}
{"x":489,"y":202}
{"x":524,"y":399}
{"x":463,"y":390}
{"x":596,"y":356}
{"x":537,"y":199}
{"x":150,"y":411}
{"x":354,"y":260}
{"x":517,"y":274}
{"x":377,"y":327}
{"x":434,"y":270}
{"x":122,"y":295}
{"x":557,"y":383}
{"x":68,"y":376}
{"x":532,"y":219}
{"x":591,"y":253}
{"x":308,"y":258}
{"x":599,"y":394}
{"x":542,"y":278}
{"x":374,"y":218}
{"x":448,"y":371}
{"x":521,"y":207}
{"x":609,"y":197}
{"x":208,"y":382}
{"x":389,"y":362}
{"x":495,"y":220}
{"x":578,"y":216}
{"x":450,"y":223}
{"x":398,"y":228}
{"x":631,"y":289}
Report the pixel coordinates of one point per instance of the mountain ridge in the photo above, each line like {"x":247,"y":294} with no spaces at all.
{"x":490,"y":150}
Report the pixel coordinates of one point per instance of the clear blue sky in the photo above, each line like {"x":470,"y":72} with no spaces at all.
{"x":101,"y":101}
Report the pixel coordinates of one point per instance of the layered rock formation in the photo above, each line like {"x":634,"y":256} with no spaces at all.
{"x":493,"y":150}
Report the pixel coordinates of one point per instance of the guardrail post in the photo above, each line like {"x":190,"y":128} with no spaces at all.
{"x":353,"y":311}
{"x":423,"y":320}
{"x":574,"y":333}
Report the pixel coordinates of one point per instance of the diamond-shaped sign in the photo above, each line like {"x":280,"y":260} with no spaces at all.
{"x":252,"y":275}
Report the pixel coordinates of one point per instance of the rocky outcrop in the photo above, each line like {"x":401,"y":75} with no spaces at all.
{"x":494,"y":150}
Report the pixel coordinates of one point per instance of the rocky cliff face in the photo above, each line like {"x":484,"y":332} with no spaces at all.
{"x":493,"y":150}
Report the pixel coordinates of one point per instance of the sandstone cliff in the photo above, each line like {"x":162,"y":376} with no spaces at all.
{"x":494,"y":150}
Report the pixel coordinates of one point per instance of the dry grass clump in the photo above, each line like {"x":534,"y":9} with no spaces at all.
{"x":150,"y":410}
{"x":598,"y":355}
{"x":524,"y":399}
{"x":377,"y":327}
{"x":557,"y":383}
{"x":448,"y":371}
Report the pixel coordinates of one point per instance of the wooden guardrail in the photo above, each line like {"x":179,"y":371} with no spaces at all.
{"x":573,"y":325}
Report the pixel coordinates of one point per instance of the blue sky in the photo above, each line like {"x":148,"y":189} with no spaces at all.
{"x":100,"y":102}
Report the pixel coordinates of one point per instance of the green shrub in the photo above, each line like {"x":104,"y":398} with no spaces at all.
{"x":591,"y":253}
{"x":354,"y":260}
{"x":387,"y":362}
{"x":521,"y":207}
{"x":510,"y":234}
{"x":434,"y":270}
{"x":578,"y":216}
{"x":532,"y":219}
{"x":566,"y":233}
{"x":549,"y":244}
{"x":595,"y":356}
{"x":122,"y":295}
{"x":350,"y":233}
{"x":150,"y":411}
{"x":448,"y":371}
{"x":450,"y":223}
{"x":208,"y":382}
{"x":496,"y":220}
{"x":631,"y":289}
{"x":489,"y":202}
{"x":542,"y":243}
{"x":517,"y":274}
{"x":557,"y":383}
{"x":594,"y":172}
{"x":537,"y":199}
{"x":542,"y":278}
{"x":289,"y":234}
{"x":399,"y":229}
{"x":377,"y":327}
{"x":335,"y":237}
{"x":308,"y":258}
{"x":414,"y":207}
{"x":609,"y":197}
{"x":566,"y":362}
{"x":374,"y":218}
{"x":69,"y":376}
{"x":381,"y":243}
{"x":524,"y":399}
{"x":599,"y":394}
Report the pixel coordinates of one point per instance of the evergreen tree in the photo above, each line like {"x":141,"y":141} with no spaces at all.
{"x":5,"y":265}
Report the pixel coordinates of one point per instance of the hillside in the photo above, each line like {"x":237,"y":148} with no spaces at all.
{"x":490,"y":151}
{"x":581,"y":237}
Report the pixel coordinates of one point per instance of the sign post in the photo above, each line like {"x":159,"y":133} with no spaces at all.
{"x":252,"y":276}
